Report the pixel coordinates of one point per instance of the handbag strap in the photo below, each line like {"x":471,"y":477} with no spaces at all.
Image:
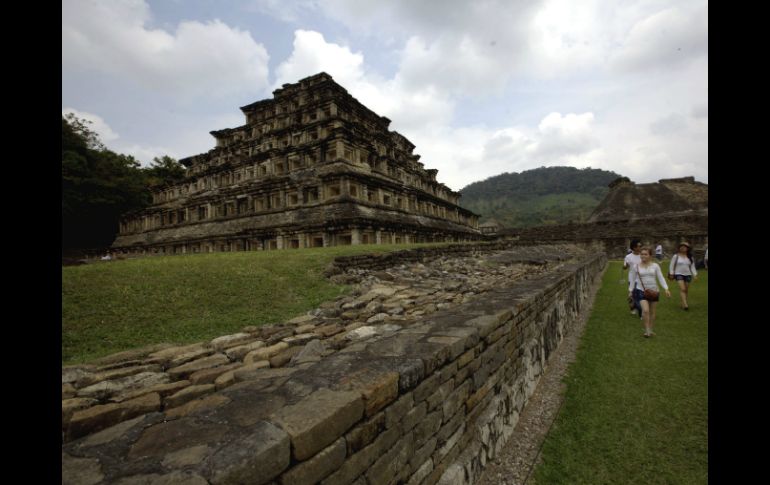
{"x":638,"y":275}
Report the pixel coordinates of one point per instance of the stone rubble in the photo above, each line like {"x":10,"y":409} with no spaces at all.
{"x":164,"y":378}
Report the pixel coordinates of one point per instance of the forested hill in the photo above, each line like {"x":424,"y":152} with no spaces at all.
{"x":545,"y":195}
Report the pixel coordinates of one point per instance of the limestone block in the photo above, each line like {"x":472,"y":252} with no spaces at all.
{"x":227,"y":341}
{"x":177,"y":477}
{"x":112,"y":433}
{"x":187,"y":394}
{"x":80,"y":471}
{"x":363,"y":434}
{"x":388,"y":466}
{"x":422,"y":472}
{"x":72,"y":374}
{"x":166,"y":355}
{"x":208,"y":402}
{"x":237,"y":353}
{"x":283,"y":357}
{"x":67,"y":391}
{"x":99,"y":417}
{"x":255,"y":459}
{"x":187,"y":456}
{"x":185,"y":370}
{"x":329,"y":330}
{"x":162,"y":389}
{"x":319,"y":419}
{"x":247,"y":371}
{"x":300,"y":339}
{"x":91,"y":379}
{"x":358,"y":463}
{"x":265,"y":353}
{"x":318,"y":467}
{"x":69,"y":406}
{"x":208,"y":376}
{"x":189,"y":356}
{"x":105,"y":389}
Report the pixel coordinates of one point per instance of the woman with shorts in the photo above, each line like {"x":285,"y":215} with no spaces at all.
{"x":646,"y":275}
{"x":682,"y":268}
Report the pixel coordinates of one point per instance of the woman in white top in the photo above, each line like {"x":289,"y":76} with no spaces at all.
{"x":646,"y":275}
{"x":630,"y":260}
{"x":682,"y":268}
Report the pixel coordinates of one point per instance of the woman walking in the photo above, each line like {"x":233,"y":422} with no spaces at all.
{"x":682,"y":268}
{"x":646,"y":275}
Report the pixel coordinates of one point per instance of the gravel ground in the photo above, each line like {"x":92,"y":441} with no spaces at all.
{"x":518,"y":459}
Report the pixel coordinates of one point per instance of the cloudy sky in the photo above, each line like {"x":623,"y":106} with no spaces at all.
{"x":481,"y":87}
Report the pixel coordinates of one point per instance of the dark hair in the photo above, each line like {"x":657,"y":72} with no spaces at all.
{"x":634,"y":242}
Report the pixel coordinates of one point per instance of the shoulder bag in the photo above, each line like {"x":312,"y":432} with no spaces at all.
{"x":649,"y":294}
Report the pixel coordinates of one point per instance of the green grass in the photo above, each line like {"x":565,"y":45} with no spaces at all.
{"x":636,"y":409}
{"x":126,"y":304}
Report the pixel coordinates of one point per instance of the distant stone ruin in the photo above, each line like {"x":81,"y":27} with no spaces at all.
{"x":311,"y":167}
{"x":669,"y":197}
{"x":663,"y":213}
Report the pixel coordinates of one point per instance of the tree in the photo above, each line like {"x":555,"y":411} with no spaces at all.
{"x":164,"y":171}
{"x":98,"y":185}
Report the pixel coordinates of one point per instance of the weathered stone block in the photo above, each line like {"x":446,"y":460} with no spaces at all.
{"x":99,"y":417}
{"x":90,"y":379}
{"x":265,"y":353}
{"x":208,"y":402}
{"x":318,"y":467}
{"x":255,"y":459}
{"x":174,"y":478}
{"x":227,"y":341}
{"x":356,"y":464}
{"x":485,"y":324}
{"x":185,"y":370}
{"x":80,"y":471}
{"x":187,"y":394}
{"x":319,"y":419}
{"x":455,"y":400}
{"x":426,"y":388}
{"x":162,"y":389}
{"x":238,"y":352}
{"x":388,"y":466}
{"x":365,"y":433}
{"x":427,"y":427}
{"x":398,"y":409}
{"x":208,"y":376}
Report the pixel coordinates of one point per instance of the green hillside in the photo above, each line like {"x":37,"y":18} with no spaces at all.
{"x":543,"y":196}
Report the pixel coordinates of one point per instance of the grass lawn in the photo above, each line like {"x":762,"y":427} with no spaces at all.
{"x":119,"y":305}
{"x":636,"y":409}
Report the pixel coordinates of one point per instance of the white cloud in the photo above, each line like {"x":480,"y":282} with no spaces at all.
{"x":666,"y":39}
{"x":700,"y":111}
{"x":197,"y":58}
{"x":143,"y":153}
{"x":287,"y":11}
{"x":517,"y":61}
{"x":672,"y":124}
{"x":97,"y":124}
{"x":312,"y":54}
{"x":407,"y":107}
{"x":562,"y":136}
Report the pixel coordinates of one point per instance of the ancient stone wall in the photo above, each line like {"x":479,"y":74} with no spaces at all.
{"x":427,"y":403}
{"x":385,"y":260}
{"x":613,"y":237}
